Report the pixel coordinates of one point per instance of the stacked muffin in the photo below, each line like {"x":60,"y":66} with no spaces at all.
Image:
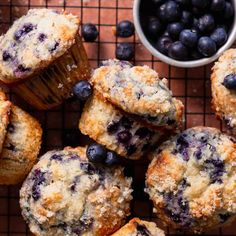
{"x":20,"y":141}
{"x":131,"y":109}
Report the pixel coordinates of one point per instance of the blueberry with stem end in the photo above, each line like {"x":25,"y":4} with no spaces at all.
{"x":125,"y":51}
{"x":189,"y":38}
{"x":125,"y":29}
{"x":83,"y":90}
{"x":163,"y":44}
{"x":89,"y":32}
{"x":96,"y":153}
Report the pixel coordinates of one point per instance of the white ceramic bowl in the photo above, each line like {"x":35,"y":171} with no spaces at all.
{"x":173,"y":62}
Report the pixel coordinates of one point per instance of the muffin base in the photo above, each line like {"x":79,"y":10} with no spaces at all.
{"x":49,"y":87}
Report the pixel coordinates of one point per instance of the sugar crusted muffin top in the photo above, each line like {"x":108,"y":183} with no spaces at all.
{"x":66,"y":195}
{"x":138,"y":91}
{"x":137,"y":227}
{"x":192,"y":179}
{"x":34,"y":41}
{"x":224,"y":100}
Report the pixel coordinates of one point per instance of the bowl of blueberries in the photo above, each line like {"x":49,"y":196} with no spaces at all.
{"x":186,"y":33}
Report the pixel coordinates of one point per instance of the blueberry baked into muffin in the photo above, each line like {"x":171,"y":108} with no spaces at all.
{"x":64,"y":194}
{"x":192,"y":180}
{"x":137,"y":227}
{"x":42,"y":57}
{"x":130,"y":110}
{"x":20,"y":143}
{"x":223,"y":86}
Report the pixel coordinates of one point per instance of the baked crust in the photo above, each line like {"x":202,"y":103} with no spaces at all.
{"x":192,"y":180}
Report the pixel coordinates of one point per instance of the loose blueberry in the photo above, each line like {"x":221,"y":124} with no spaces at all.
{"x":220,"y":36}
{"x":178,"y":51}
{"x":206,"y":23}
{"x":186,"y":18}
{"x":183,"y":3}
{"x":230,"y":81}
{"x":218,"y":5}
{"x":23,"y":31}
{"x":89,"y":32}
{"x":163,"y":44}
{"x":83,"y":90}
{"x":169,"y":11}
{"x":125,"y":51}
{"x":228,"y":11}
{"x":42,"y":37}
{"x":154,"y":27}
{"x":200,"y":3}
{"x":124,"y":136}
{"x":96,"y":153}
{"x":125,"y":29}
{"x":111,"y":159}
{"x":6,"y":56}
{"x":174,"y":29}
{"x":206,"y":46}
{"x":189,"y":38}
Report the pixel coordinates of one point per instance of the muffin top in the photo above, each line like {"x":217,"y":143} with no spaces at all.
{"x":224,"y":97}
{"x":138,"y":91}
{"x":137,"y":227}
{"x":34,"y":41}
{"x":192,"y":179}
{"x":66,"y":195}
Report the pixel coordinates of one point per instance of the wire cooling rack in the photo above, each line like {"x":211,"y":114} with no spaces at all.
{"x":192,"y":86}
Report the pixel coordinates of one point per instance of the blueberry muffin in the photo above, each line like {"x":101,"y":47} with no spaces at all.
{"x":138,"y":90}
{"x":64,"y":194}
{"x":192,"y":180}
{"x":223,"y":86}
{"x":42,"y":57}
{"x":119,"y":127}
{"x":117,"y":131}
{"x":137,"y":227}
{"x":21,"y":145}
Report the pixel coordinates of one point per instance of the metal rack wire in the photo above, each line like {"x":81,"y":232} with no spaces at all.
{"x":190,"y":85}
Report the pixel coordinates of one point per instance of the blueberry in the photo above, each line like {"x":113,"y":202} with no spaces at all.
{"x":112,"y":127}
{"x":111,"y":159}
{"x":42,"y":37}
{"x":96,"y":153}
{"x":230,"y":81}
{"x":169,"y":11}
{"x":195,"y":54}
{"x":206,"y":23}
{"x":218,"y":5}
{"x":125,"y":29}
{"x":28,"y":27}
{"x":220,"y":36}
{"x":206,"y":46}
{"x":195,"y":24}
{"x":186,"y":18}
{"x":228,"y":11}
{"x":178,"y":51}
{"x":154,"y":27}
{"x":89,"y":32}
{"x":163,"y":44}
{"x":174,"y":29}
{"x":183,"y":3}
{"x":6,"y":56}
{"x":189,"y":38}
{"x":200,"y":3}
{"x":124,"y":136}
{"x":125,"y":51}
{"x":83,"y":90}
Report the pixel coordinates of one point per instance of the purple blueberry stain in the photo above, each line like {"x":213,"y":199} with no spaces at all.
{"x":74,"y":183}
{"x":56,"y":157}
{"x":21,"y":69}
{"x":6,"y":56}
{"x":26,"y":28}
{"x":112,"y":127}
{"x":88,"y":168}
{"x":143,"y":133}
{"x":182,"y":146}
{"x":10,"y":128}
{"x":83,"y":225}
{"x":124,"y":136}
{"x":54,"y":47}
{"x":126,"y":122}
{"x":42,"y":37}
{"x":38,"y":179}
{"x":142,"y":230}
